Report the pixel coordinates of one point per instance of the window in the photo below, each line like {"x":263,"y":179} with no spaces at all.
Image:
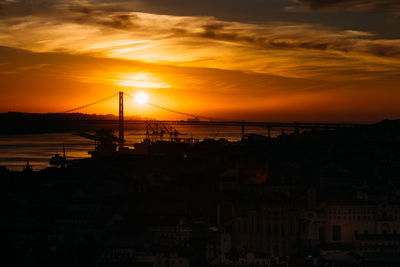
{"x":336,"y":233}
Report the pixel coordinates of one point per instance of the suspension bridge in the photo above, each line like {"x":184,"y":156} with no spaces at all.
{"x":117,"y":102}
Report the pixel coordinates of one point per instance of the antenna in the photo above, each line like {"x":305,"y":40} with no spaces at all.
{"x":64,"y":156}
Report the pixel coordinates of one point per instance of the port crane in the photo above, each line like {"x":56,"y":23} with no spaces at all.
{"x":156,"y":131}
{"x":105,"y":141}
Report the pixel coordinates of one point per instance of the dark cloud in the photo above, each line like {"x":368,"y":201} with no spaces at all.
{"x":23,"y":8}
{"x":115,"y":15}
{"x":391,"y":6}
{"x":344,"y":42}
{"x":375,"y":48}
{"x":102,"y":15}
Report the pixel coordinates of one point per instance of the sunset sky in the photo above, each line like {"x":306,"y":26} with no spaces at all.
{"x":265,"y":60}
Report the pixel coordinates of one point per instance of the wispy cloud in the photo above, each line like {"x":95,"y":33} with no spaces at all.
{"x":112,"y":29}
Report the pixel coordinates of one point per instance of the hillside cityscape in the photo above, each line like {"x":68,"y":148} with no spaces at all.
{"x":319,"y":198}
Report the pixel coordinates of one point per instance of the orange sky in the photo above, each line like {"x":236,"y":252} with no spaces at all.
{"x":75,"y":52}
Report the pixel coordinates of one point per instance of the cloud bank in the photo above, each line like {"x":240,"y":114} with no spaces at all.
{"x":112,"y":29}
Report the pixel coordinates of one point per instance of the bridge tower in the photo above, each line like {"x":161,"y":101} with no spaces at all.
{"x":121,"y":139}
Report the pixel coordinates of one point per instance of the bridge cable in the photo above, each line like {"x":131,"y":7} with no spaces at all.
{"x":90,"y":104}
{"x":179,"y":112}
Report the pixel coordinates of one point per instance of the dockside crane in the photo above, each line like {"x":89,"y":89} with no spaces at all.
{"x":105,"y":142}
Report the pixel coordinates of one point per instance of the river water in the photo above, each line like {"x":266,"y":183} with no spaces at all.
{"x":15,"y":150}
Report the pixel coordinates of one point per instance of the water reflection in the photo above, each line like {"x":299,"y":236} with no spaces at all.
{"x":39,"y":148}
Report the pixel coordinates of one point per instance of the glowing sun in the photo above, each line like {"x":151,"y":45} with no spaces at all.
{"x":141,"y":98}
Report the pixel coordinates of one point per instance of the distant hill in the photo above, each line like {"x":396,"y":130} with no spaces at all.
{"x":55,"y":116}
{"x":27,"y":123}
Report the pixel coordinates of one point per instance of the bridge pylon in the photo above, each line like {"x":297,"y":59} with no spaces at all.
{"x":121,"y":139}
